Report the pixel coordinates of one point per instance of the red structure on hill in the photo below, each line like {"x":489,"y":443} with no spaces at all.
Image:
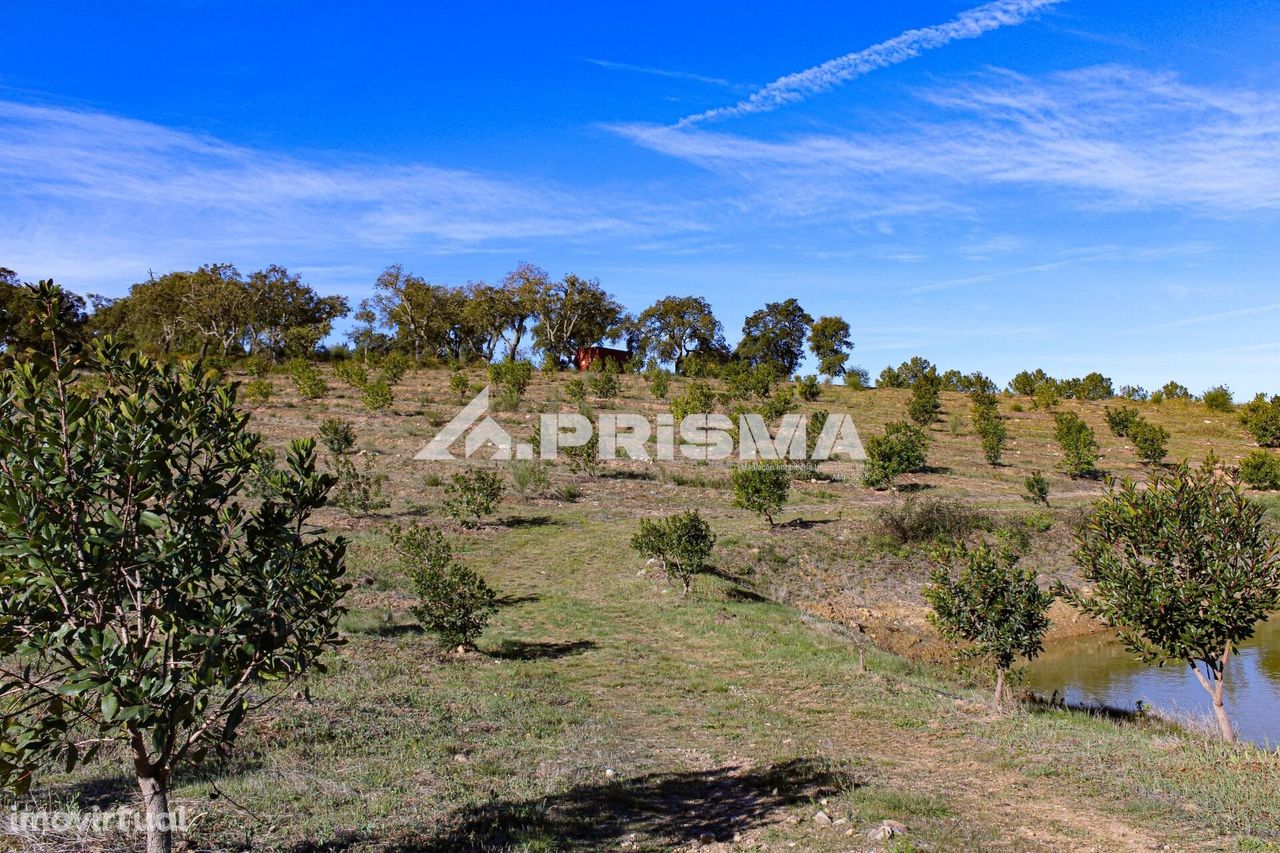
{"x":601,"y":357}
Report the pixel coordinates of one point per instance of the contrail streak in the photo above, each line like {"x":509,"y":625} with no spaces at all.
{"x":908,"y":45}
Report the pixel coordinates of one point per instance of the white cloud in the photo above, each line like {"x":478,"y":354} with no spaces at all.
{"x":910,"y":44}
{"x":1105,"y":137}
{"x":95,"y":197}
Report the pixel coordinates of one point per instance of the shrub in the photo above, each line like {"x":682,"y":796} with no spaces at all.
{"x":1079,"y":444}
{"x":918,"y":520}
{"x":257,"y":392}
{"x":352,"y":373}
{"x":146,"y":610}
{"x":471,"y":495}
{"x":454,"y":603}
{"x":308,"y":381}
{"x":981,"y":597}
{"x":1047,"y":395}
{"x":1183,"y":569}
{"x":568,"y":493}
{"x":901,"y":449}
{"x":697,"y":399}
{"x":395,"y":366}
{"x":585,"y":458}
{"x":459,"y":385}
{"x":761,"y":487}
{"x":1134,"y":392}
{"x":682,"y":543}
{"x":604,"y":384}
{"x":337,"y":435}
{"x":1174,"y":391}
{"x":576,"y":390}
{"x":1261,"y":470}
{"x":659,"y":384}
{"x":956,"y":423}
{"x":358,"y":492}
{"x":377,"y":396}
{"x":989,"y":425}
{"x":742,"y":381}
{"x":1218,"y":398}
{"x":529,"y":477}
{"x":1262,"y":419}
{"x":925,"y":399}
{"x":780,"y":402}
{"x":1149,"y":440}
{"x":257,"y":365}
{"x":808,"y":388}
{"x":1120,"y":419}
{"x":510,"y":376}
{"x":1037,"y":486}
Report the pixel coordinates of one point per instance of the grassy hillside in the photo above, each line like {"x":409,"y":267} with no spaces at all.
{"x":602,"y":710}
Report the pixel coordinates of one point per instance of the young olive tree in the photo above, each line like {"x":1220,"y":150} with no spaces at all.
{"x":1184,"y":569}
{"x":981,"y":597}
{"x":143,"y":604}
{"x":681,"y":542}
{"x":762,"y":487}
{"x":901,"y":449}
{"x":454,"y":602}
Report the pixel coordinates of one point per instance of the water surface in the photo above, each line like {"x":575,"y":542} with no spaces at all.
{"x":1096,"y":670}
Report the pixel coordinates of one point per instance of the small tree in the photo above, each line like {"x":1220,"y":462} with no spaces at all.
{"x":989,"y":425}
{"x":337,"y":435}
{"x":352,"y":373}
{"x":926,"y":401}
{"x":1079,"y":444}
{"x":454,"y":602}
{"x":378,"y":396}
{"x":1219,"y":399}
{"x":459,"y":384}
{"x":902,"y":449}
{"x":308,"y":381}
{"x":807,"y":388}
{"x":1037,"y":486}
{"x":529,"y":477}
{"x":1262,"y":419}
{"x":1150,"y":441}
{"x":471,"y":495}
{"x":682,"y":543}
{"x":511,"y":377}
{"x":762,"y":487}
{"x":989,"y":603}
{"x":659,"y":383}
{"x":1120,"y":419}
{"x":1184,"y":569}
{"x":1261,"y":470}
{"x":144,"y":605}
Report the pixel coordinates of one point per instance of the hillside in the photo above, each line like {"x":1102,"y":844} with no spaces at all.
{"x":794,"y":700}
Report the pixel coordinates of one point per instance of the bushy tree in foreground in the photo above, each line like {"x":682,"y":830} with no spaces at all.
{"x":454,"y":602}
{"x":1184,"y":569}
{"x":681,"y":542}
{"x":981,"y":597}
{"x":143,"y":604}
{"x":762,"y":487}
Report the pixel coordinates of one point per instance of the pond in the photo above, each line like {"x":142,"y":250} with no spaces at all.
{"x":1096,"y":670}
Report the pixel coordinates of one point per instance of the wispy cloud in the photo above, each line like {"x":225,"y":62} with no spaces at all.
{"x":1105,"y":137}
{"x":100,"y":197}
{"x":671,"y":74}
{"x":910,"y":44}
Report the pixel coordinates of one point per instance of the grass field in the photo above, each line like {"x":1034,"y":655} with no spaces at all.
{"x":794,"y":700}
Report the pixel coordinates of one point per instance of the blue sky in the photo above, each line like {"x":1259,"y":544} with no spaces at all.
{"x":1073,"y":185}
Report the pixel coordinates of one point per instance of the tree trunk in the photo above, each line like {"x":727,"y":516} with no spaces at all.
{"x":997,"y":698}
{"x":1220,"y":710}
{"x":155,"y":798}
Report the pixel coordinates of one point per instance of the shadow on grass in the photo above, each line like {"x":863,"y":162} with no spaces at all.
{"x":517,"y":522}
{"x":662,"y":811}
{"x":1040,"y":704}
{"x":515,"y":600}
{"x":804,"y":523}
{"x":624,"y":474}
{"x":410,"y":629}
{"x":521,"y":650}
